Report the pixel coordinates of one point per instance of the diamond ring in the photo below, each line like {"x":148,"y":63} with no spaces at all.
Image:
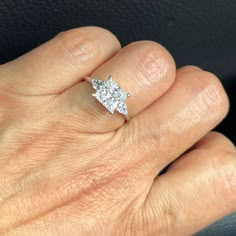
{"x":110,"y":95}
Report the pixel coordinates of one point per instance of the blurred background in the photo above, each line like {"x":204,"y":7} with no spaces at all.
{"x":199,"y":32}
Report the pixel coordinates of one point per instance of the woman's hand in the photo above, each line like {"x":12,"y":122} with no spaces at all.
{"x":69,"y":167}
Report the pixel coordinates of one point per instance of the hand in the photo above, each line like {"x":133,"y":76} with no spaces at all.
{"x":69,"y":167}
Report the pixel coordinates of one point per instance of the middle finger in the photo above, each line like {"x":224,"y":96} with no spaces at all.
{"x":193,"y":106}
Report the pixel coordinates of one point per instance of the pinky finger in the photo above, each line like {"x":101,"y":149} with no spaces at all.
{"x":198,"y":190}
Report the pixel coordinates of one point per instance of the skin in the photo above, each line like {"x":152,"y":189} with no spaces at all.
{"x":69,"y":167}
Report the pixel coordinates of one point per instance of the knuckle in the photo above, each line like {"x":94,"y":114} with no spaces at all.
{"x":211,"y":96}
{"x":78,"y":47}
{"x":154,"y":62}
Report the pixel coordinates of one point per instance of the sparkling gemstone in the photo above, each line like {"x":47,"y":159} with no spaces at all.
{"x":97,"y":84}
{"x":110,"y":95}
{"x":122,"y":108}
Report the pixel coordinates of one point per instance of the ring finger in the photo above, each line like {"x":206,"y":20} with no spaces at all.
{"x":144,"y":69}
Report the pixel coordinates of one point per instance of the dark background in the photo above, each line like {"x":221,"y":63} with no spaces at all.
{"x":199,"y":32}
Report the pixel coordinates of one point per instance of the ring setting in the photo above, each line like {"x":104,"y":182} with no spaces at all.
{"x":110,"y":95}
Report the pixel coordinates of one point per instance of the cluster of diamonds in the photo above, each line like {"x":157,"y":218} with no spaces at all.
{"x":110,"y":95}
